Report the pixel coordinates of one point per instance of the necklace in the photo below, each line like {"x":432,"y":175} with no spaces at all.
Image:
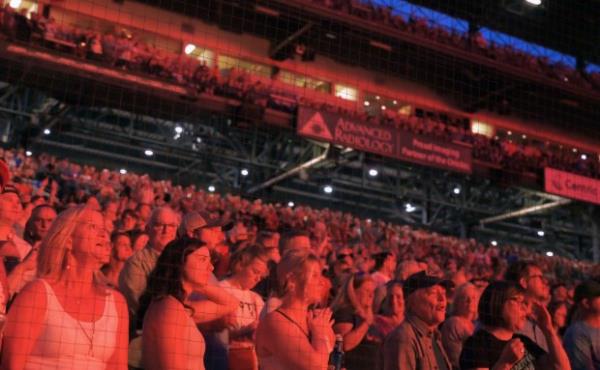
{"x":89,"y":337}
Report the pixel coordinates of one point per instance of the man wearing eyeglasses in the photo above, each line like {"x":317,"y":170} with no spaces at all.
{"x":531,"y":278}
{"x":161,"y":229}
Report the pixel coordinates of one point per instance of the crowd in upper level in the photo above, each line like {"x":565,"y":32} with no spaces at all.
{"x":124,"y":50}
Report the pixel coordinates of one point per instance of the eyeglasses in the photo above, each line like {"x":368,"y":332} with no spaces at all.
{"x":344,"y":255}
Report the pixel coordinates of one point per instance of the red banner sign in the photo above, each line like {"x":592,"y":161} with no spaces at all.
{"x":572,"y":186}
{"x":386,"y":141}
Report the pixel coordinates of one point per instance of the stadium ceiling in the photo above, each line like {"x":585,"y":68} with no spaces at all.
{"x":570,"y":27}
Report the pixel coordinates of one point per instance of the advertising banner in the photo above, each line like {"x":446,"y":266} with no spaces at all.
{"x":385,"y":141}
{"x":572,"y":186}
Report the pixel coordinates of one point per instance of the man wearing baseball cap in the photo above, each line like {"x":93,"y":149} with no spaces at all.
{"x":416,"y":343}
{"x":582,"y":338}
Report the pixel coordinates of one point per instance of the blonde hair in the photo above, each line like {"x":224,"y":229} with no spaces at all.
{"x":294,"y":265}
{"x":346,"y":296}
{"x":53,"y":257}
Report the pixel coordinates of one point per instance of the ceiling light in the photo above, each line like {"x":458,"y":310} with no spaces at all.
{"x":178,"y":129}
{"x":148,"y":153}
{"x":549,"y":253}
{"x":328,"y":189}
{"x":494,"y":243}
{"x":291,"y":204}
{"x":46,"y":131}
{"x":189,"y":48}
{"x":456,"y":190}
{"x":244,"y":172}
{"x":211,"y":188}
{"x":373,"y":172}
{"x":123,"y":171}
{"x":28,"y":153}
{"x":584,"y":157}
{"x":540,"y":233}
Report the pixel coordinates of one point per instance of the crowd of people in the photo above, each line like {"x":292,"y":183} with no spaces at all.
{"x":122,"y":49}
{"x":110,"y":270}
{"x":471,"y":40}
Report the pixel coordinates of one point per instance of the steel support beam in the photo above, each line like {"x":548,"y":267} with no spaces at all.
{"x":524,"y":211}
{"x":318,"y":159}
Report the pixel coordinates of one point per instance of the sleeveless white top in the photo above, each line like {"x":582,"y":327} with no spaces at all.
{"x":64,"y":342}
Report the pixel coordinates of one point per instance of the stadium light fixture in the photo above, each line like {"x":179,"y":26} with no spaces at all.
{"x":291,"y":204}
{"x":541,"y":233}
{"x":148,"y":153}
{"x":373,"y":172}
{"x":46,"y":131}
{"x":244,"y":172}
{"x":123,"y":171}
{"x":189,"y":48}
{"x":211,"y":188}
{"x":549,"y":253}
{"x":534,"y":2}
{"x":328,"y":189}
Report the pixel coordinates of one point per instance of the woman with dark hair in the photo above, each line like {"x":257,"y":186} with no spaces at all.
{"x":121,"y":250}
{"x":170,"y":338}
{"x":392,"y":308}
{"x":496,"y":345}
{"x":353,"y":316}
{"x":558,"y":311}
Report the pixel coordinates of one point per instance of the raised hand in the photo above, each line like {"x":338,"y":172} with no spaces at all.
{"x":513,"y":351}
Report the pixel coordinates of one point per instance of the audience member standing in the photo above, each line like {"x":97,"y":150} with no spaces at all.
{"x":248,"y":267}
{"x":120,"y":252}
{"x":497,"y":344}
{"x":170,"y":339}
{"x":582,"y":338}
{"x":71,"y":320}
{"x":461,"y":324}
{"x":537,"y":291}
{"x":292,"y":336}
{"x":416,"y":343}
{"x":353,"y":316}
{"x":162,"y":228}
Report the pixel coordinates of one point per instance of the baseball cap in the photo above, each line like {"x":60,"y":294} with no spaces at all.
{"x":200,"y":220}
{"x":587,"y":289}
{"x":421,"y":280}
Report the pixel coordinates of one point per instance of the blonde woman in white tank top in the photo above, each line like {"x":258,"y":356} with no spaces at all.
{"x":67,"y":319}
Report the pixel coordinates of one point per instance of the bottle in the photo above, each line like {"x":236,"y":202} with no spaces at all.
{"x":336,"y":358}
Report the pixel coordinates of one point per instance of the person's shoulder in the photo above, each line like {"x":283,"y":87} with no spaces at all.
{"x":402,"y":333}
{"x":35,"y":288}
